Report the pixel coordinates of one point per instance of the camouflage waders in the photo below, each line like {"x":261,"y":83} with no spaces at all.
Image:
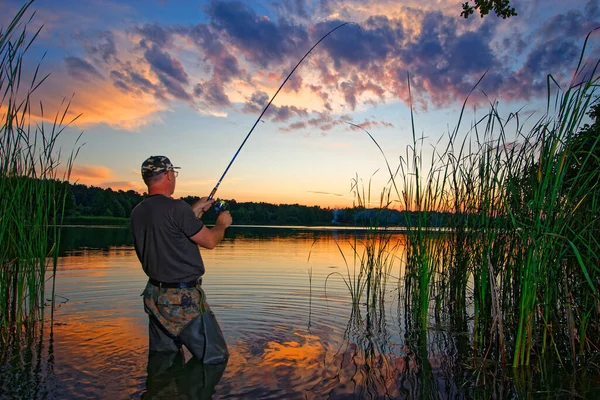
{"x":183,"y":317}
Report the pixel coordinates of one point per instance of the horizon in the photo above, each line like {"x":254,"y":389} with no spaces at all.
{"x":189,"y":81}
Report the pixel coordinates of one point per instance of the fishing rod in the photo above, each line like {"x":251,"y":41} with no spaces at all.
{"x":212,"y":194}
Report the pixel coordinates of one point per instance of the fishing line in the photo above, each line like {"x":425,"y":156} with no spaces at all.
{"x":212,"y":194}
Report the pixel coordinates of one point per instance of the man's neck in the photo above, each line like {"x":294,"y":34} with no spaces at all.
{"x":154,"y":191}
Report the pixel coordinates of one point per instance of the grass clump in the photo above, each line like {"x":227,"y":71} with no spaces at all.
{"x":32,"y":195}
{"x":518,"y":261}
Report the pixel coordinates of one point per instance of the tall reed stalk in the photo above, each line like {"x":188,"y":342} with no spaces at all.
{"x":32,"y":198}
{"x":373,"y":257}
{"x":519,"y":254}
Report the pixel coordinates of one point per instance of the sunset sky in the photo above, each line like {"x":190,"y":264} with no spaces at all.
{"x":188,"y":79}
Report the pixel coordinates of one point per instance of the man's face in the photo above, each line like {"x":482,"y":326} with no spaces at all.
{"x":172,"y":176}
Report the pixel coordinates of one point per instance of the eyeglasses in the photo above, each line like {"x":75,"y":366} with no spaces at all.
{"x":174,"y":172}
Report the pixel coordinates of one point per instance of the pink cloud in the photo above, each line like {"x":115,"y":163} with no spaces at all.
{"x":90,"y":173}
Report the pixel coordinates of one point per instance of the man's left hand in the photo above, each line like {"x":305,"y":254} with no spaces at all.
{"x":202,"y":205}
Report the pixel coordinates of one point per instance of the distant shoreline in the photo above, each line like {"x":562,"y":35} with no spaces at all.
{"x":394,"y":229}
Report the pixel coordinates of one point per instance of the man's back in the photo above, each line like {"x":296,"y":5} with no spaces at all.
{"x":161,"y":228}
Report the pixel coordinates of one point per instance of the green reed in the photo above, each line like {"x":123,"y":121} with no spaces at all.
{"x":519,"y":253}
{"x":373,"y":256}
{"x":32,"y":196}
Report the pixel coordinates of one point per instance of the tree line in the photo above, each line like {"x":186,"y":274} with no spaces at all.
{"x":91,"y":201}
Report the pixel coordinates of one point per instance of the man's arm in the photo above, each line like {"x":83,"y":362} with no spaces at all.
{"x":210,"y":237}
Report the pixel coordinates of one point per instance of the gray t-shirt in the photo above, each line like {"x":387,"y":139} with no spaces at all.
{"x":161,"y":228}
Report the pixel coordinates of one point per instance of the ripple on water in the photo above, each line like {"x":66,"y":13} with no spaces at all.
{"x":85,"y":351}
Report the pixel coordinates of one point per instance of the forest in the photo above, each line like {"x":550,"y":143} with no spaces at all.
{"x":90,"y":205}
{"x":97,"y":206}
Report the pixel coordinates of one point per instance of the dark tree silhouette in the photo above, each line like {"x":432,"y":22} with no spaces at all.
{"x":502,"y":8}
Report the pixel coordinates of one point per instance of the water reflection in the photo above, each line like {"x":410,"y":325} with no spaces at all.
{"x":74,"y":238}
{"x":170,"y":377}
{"x":27,"y":365}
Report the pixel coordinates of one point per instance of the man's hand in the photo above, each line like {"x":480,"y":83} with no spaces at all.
{"x":210,"y":237}
{"x":202,"y":205}
{"x":224,"y":219}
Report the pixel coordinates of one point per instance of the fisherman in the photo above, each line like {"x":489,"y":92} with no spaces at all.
{"x":166,"y":235}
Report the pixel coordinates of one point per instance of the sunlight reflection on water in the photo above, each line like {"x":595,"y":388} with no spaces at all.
{"x":289,"y":334}
{"x":279,"y":324}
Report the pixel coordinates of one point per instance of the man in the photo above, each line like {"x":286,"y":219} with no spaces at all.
{"x":166,"y":235}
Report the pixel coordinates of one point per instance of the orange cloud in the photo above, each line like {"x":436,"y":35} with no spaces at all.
{"x":90,"y":172}
{"x":98,"y":101}
{"x":100,"y":176}
{"x":85,"y":84}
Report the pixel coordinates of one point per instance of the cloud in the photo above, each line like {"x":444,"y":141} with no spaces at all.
{"x":154,"y":34}
{"x":322,"y":122}
{"x":80,"y":69}
{"x":470,"y":54}
{"x":223,"y":64}
{"x":164,"y":65}
{"x":103,"y":177}
{"x":213,"y":93}
{"x":101,"y":46}
{"x":284,"y":113}
{"x":97,"y":102}
{"x":294,"y":126}
{"x":371,"y":43}
{"x":592,"y":9}
{"x":370,"y":123}
{"x":557,"y":52}
{"x":259,"y":39}
{"x":293,"y":9}
{"x":572,"y":24}
{"x":326,"y":193}
{"x":237,"y":57}
{"x":157,"y":73}
{"x":131,"y":81}
{"x":294,"y":84}
{"x":555,"y":48}
{"x":173,"y":87}
{"x":256,"y":103}
{"x":90,"y":172}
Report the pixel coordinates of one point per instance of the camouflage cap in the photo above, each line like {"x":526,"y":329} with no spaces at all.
{"x":155,"y":165}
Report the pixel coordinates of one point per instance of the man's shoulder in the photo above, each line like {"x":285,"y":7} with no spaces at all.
{"x":182,"y":203}
{"x":160,"y":202}
{"x":181,"y":206}
{"x":153,"y":202}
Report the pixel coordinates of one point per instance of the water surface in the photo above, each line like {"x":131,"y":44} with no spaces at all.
{"x":286,"y":314}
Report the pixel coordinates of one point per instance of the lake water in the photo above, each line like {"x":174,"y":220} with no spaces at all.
{"x":287,"y":317}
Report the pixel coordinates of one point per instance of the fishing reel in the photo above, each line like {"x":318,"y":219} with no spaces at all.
{"x":220,"y":206}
